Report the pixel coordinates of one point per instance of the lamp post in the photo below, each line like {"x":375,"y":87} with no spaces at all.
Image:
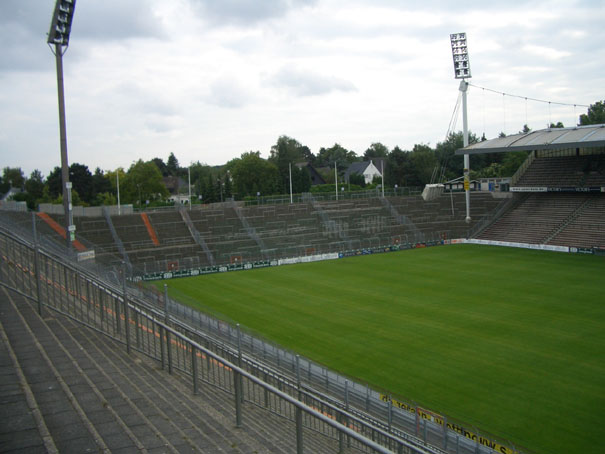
{"x":290,"y":168}
{"x":335,"y":180}
{"x":189,"y":184}
{"x":462,"y":70}
{"x":58,"y":41}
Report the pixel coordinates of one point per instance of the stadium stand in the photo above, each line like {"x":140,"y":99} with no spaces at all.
{"x":586,"y":229}
{"x":560,"y":201}
{"x":68,"y":388}
{"x":210,"y":236}
{"x":535,"y":218}
{"x":565,"y":171}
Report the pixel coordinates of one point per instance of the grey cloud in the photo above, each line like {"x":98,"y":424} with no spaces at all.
{"x":306,"y":83}
{"x":228,"y":93}
{"x":243,"y":12}
{"x":24,"y":26}
{"x":115,"y":20}
{"x":23,"y":30}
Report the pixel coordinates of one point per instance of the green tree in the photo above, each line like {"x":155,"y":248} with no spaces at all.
{"x":161,"y":165}
{"x":512,"y":161}
{"x":4,"y":186}
{"x":142,"y":182}
{"x":451,"y":165}
{"x":595,"y":114}
{"x":287,"y":151}
{"x":106,"y":199}
{"x":557,"y":125}
{"x":100,"y":184}
{"x":34,"y":189}
{"x":376,"y":150}
{"x":252,"y":174}
{"x":82,"y":182}
{"x":113,"y":176}
{"x":14,"y":176}
{"x":172,"y":166}
{"x":301,"y":179}
{"x":357,"y":179}
{"x":199,"y":175}
{"x":398,"y":170}
{"x":423,"y":161}
{"x":228,"y":185}
{"x":54,"y":183}
{"x":34,"y":185}
{"x":210,"y":195}
{"x":336,"y":154}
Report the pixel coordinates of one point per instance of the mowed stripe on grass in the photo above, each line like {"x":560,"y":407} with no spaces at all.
{"x":508,"y":340}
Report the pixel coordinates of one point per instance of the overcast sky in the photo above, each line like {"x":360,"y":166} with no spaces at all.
{"x":211,"y":79}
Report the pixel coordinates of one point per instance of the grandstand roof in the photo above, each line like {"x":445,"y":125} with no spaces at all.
{"x":544,"y":139}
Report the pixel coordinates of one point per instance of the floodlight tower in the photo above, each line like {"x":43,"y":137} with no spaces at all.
{"x":462,"y":70}
{"x":58,"y":40}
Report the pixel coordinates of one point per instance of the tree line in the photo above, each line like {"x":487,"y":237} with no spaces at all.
{"x":250,"y":175}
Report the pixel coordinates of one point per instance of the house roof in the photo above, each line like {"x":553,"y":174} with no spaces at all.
{"x":545,"y":139}
{"x":173,"y":184}
{"x":360,"y":167}
{"x":357,"y":167}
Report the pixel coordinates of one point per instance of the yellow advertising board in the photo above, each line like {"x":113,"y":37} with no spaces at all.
{"x":438,"y":419}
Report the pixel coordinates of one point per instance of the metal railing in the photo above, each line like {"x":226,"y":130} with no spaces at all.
{"x":54,"y":282}
{"x":271,"y":363}
{"x":521,"y":170}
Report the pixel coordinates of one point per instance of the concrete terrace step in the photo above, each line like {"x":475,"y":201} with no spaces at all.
{"x":68,"y":388}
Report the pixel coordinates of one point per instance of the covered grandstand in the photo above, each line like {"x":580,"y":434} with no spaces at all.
{"x":559,"y":192}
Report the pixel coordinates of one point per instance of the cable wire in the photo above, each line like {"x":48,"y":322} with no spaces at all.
{"x":528,"y":98}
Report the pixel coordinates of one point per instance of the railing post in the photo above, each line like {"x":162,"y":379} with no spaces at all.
{"x":266,"y":391}
{"x":66,"y":289}
{"x":298,"y":376}
{"x":417,"y":422}
{"x":116,"y":307}
{"x":166,"y":319}
{"x":36,"y":265}
{"x":194,"y":368}
{"x":424,"y":429}
{"x":445,"y":433}
{"x":126,"y":311}
{"x":169,"y":351}
{"x":137,"y":329}
{"x":166,"y":303}
{"x":239,"y":360}
{"x":299,"y":431}
{"x":239,"y":345}
{"x":341,"y":435}
{"x":390,"y":417}
{"x":162,"y":347}
{"x":238,"y":398}
{"x":346,"y":421}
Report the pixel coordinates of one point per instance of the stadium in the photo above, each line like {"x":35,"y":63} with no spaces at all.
{"x":396,"y":326}
{"x":464,"y":318}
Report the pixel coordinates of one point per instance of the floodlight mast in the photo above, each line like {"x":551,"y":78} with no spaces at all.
{"x":58,"y":36}
{"x":462,"y":70}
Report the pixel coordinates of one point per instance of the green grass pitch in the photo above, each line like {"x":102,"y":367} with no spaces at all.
{"x":507,"y":340}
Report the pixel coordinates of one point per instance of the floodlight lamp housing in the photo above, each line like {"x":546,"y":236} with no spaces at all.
{"x":60,"y":26}
{"x":462,"y":66}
